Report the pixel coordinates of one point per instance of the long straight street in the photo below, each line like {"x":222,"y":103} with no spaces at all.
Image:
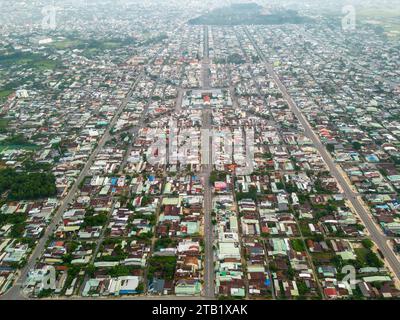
{"x":205,"y":174}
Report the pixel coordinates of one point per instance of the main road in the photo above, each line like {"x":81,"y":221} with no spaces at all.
{"x":375,"y":233}
{"x":206,"y":147}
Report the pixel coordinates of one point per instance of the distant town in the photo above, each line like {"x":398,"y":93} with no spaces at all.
{"x":155,"y":150}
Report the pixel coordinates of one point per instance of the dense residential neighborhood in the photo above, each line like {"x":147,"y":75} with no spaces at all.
{"x":176,"y":159}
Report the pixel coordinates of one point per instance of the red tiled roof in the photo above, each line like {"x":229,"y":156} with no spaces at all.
{"x":330,"y":292}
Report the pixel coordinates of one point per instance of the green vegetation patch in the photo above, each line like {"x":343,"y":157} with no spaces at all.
{"x":163,"y":243}
{"x":164,"y":267}
{"x":248,"y":14}
{"x":17,"y":142}
{"x":321,"y":258}
{"x":18,"y":222}
{"x":367,"y":258}
{"x":217,"y":176}
{"x":27,"y":60}
{"x":252,"y":194}
{"x":3,"y":125}
{"x":298,"y":245}
{"x":93,"y":218}
{"x":5,"y":93}
{"x":66,"y":44}
{"x":92,"y":47}
{"x":27,"y":185}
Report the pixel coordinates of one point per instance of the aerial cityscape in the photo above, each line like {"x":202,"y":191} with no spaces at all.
{"x":200,"y":150}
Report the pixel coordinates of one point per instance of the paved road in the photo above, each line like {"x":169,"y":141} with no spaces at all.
{"x":179,"y":100}
{"x":209,"y":289}
{"x":122,"y":298}
{"x":374,"y":231}
{"x":141,"y":122}
{"x":209,"y":285}
{"x":205,"y":66}
{"x":143,"y":116}
{"x":99,"y":242}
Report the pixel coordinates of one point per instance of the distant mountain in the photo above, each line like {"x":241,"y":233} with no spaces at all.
{"x":248,"y":14}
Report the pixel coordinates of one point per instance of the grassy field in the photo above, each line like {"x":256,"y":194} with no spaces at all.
{"x":18,"y":147}
{"x":297,"y":245}
{"x":361,"y":254}
{"x":89,"y":44}
{"x":379,"y":12}
{"x":4,"y":94}
{"x":45,"y":64}
{"x":22,"y":61}
{"x":17,"y":142}
{"x":322,"y":257}
{"x":3,"y":125}
{"x":66,"y":44}
{"x":387,"y":17}
{"x":27,"y":60}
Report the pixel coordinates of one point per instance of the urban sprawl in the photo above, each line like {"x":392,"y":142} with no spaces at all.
{"x":145,"y":156}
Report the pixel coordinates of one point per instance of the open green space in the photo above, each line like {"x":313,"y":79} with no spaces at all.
{"x":3,"y":125}
{"x":26,"y":185}
{"x":321,"y":258}
{"x":27,"y":60}
{"x":65,"y":44}
{"x":387,"y":18}
{"x":4,"y":94}
{"x":91,"y":47}
{"x":298,"y":245}
{"x":17,"y":142}
{"x":162,"y":266}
